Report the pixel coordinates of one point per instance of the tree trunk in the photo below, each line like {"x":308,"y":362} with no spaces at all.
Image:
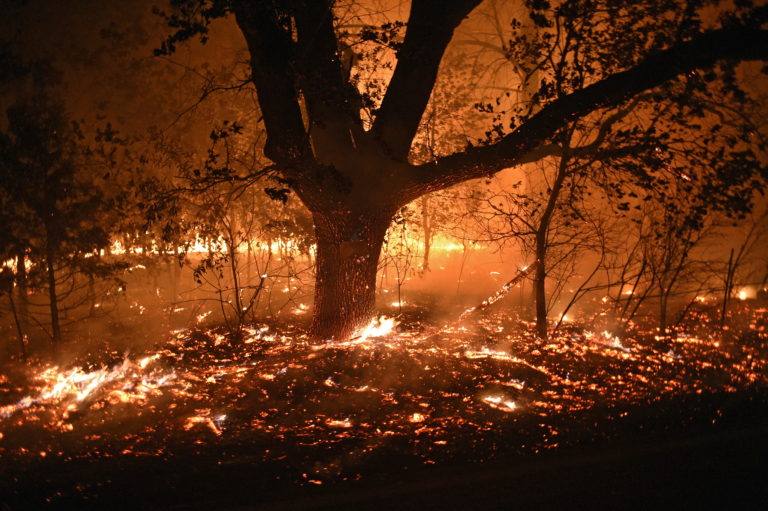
{"x":249,"y":262}
{"x":52,"y":296}
{"x":21,"y":309}
{"x":348,"y":249}
{"x":727,"y":292}
{"x":539,"y":285}
{"x":233,"y":267}
{"x":426,"y":223}
{"x":91,"y":295}
{"x":542,"y":233}
{"x":175,"y":274}
{"x":19,"y":327}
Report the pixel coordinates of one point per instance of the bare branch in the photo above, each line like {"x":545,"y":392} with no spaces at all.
{"x":333,"y":104}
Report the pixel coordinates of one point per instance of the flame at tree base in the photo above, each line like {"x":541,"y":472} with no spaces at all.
{"x":378,"y":327}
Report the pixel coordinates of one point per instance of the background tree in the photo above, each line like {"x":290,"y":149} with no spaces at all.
{"x":58,"y":209}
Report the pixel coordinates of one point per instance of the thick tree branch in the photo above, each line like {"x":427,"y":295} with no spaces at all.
{"x":270,"y":47}
{"x":430,"y":28}
{"x":528,"y":142}
{"x":332,"y":103}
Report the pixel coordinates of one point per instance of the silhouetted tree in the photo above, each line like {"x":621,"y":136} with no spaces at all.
{"x":354,"y":174}
{"x":56,"y":202}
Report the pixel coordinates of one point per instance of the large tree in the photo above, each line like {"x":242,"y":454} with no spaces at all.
{"x":354,"y":173}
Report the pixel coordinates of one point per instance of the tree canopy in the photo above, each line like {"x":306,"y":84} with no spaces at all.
{"x":577,"y":59}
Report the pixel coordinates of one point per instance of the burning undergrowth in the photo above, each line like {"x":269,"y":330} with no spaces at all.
{"x":321,"y":414}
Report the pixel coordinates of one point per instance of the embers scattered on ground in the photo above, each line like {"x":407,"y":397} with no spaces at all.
{"x":200,"y":407}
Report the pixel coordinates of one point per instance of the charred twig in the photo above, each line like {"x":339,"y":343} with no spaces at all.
{"x":498,"y":295}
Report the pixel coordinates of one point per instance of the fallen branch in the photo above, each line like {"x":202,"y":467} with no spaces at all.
{"x":498,"y":295}
{"x":495,"y":297}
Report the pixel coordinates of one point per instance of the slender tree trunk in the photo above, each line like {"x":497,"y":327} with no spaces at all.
{"x":623,"y":316}
{"x":539,"y":285}
{"x":464,"y":256}
{"x":663,"y":312}
{"x":540,"y":279}
{"x":542,"y":241}
{"x":426,"y":223}
{"x":22,"y":286}
{"x":19,"y":327}
{"x":249,"y":262}
{"x":175,"y":274}
{"x":52,"y":296}
{"x":728,"y":288}
{"x":348,"y":249}
{"x":91,"y":295}
{"x":233,"y":267}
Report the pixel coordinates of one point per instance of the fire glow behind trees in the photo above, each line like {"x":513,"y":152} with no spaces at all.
{"x":354,"y":177}
{"x":307,"y":242}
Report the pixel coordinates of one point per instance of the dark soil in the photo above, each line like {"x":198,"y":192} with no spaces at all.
{"x":673,"y":459}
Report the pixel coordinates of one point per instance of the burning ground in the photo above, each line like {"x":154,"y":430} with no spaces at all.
{"x":297,"y":416}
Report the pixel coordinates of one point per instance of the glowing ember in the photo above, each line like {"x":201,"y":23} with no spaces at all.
{"x":73,"y":386}
{"x":204,"y":419}
{"x":332,"y":423}
{"x":501,"y":403}
{"x":459,"y":391}
{"x":417,"y":417}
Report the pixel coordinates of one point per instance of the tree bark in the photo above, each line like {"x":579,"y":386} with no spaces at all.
{"x":348,"y":249}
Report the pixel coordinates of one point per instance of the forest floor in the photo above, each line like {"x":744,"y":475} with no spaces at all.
{"x":478,"y":416}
